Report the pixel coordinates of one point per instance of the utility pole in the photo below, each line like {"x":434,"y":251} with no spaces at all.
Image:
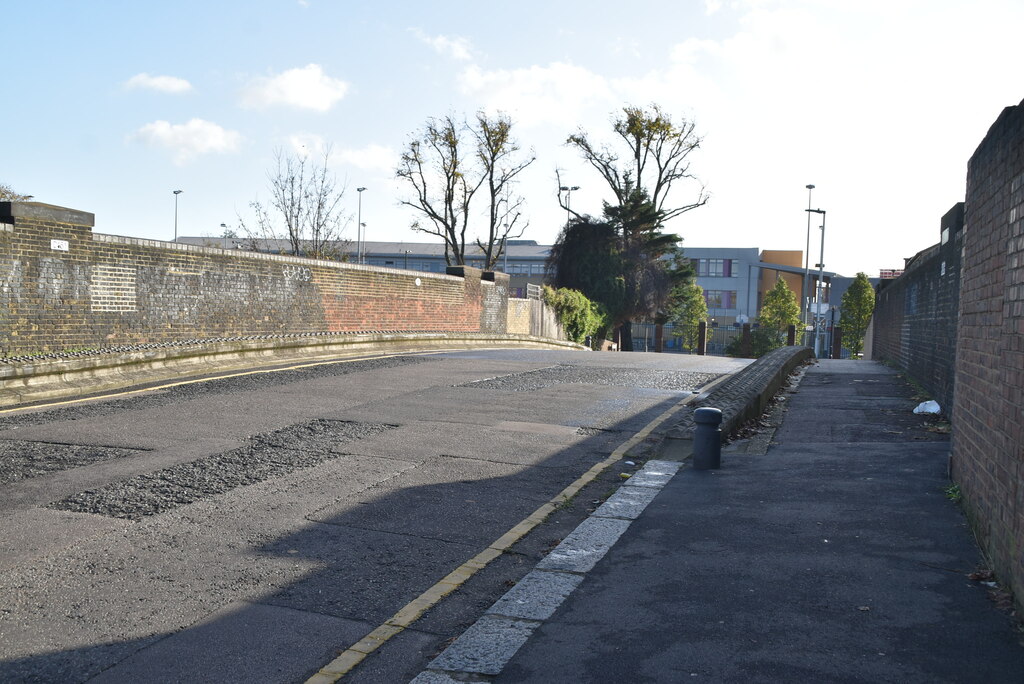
{"x":819,"y":317}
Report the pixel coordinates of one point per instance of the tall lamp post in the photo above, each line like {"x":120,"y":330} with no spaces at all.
{"x":359,"y":228}
{"x":568,"y":199}
{"x":804,"y":293}
{"x":819,"y":317}
{"x":176,"y":193}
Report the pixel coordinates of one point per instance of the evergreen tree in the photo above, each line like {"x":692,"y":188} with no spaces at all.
{"x":688,"y":310}
{"x":857,"y":306}
{"x":780,"y":310}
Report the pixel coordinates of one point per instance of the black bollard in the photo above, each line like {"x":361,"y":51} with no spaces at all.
{"x":707,"y":439}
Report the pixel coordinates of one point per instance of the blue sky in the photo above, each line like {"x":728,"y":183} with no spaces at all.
{"x":112,"y":105}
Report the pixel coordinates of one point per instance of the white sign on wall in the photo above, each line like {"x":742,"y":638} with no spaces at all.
{"x":59,"y":245}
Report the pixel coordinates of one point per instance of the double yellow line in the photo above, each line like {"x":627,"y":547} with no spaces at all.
{"x":355,"y":654}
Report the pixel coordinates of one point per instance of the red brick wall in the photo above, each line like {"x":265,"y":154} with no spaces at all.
{"x":988,"y":434}
{"x":106,"y":290}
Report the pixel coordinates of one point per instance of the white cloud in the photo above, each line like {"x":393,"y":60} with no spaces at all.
{"x":456,"y":48}
{"x":305,"y":88}
{"x":558,"y":94}
{"x":371,"y":158}
{"x":163,"y":84}
{"x":190,"y":140}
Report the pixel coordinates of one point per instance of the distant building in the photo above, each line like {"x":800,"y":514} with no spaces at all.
{"x":890,"y":273}
{"x":734,"y":279}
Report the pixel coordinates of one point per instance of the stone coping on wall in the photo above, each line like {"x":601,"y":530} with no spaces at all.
{"x":265,"y":256}
{"x":34,"y":379}
{"x":741,"y":397}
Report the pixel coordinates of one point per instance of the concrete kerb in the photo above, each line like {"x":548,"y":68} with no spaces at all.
{"x":741,"y":398}
{"x":484,"y":649}
{"x":34,"y":380}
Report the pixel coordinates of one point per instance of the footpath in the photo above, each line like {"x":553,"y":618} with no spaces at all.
{"x":829,"y":552}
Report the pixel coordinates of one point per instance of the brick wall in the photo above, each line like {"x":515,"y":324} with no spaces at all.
{"x":988,"y":435}
{"x":64,"y":287}
{"x":915,"y":320}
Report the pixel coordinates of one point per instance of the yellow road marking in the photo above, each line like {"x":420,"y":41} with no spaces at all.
{"x":412,"y":611}
{"x":355,"y":654}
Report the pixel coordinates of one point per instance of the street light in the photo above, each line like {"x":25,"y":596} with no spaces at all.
{"x":807,"y":263}
{"x":568,"y":199}
{"x":359,"y":228}
{"x":819,"y":319}
{"x":176,"y":193}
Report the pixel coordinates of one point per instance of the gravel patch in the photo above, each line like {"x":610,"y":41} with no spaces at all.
{"x":529,"y":381}
{"x":21,"y":460}
{"x":266,"y":456}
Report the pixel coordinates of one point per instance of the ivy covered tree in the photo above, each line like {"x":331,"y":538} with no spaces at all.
{"x":689,"y":308}
{"x":857,"y":306}
{"x":587,"y":256}
{"x":651,"y":155}
{"x":656,"y":156}
{"x":625,"y":262}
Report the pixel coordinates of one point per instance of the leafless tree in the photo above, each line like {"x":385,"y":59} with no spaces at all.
{"x":443,"y":182}
{"x":446,"y":163}
{"x":499,"y":157}
{"x":7,"y":194}
{"x":659,"y":152}
{"x":305,"y":208}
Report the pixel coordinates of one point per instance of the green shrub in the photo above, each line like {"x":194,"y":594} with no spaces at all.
{"x":580,"y":317}
{"x":762,"y":341}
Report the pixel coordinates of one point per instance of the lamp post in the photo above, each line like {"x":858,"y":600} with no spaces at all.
{"x":568,"y":199}
{"x":804,"y":294}
{"x":176,"y":193}
{"x":819,"y":317}
{"x":359,"y":228}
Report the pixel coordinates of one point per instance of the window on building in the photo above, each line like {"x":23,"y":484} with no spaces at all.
{"x":713,"y":268}
{"x":720,"y":299}
{"x":537,"y":269}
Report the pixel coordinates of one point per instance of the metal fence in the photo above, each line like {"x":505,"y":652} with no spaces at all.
{"x":719,"y":339}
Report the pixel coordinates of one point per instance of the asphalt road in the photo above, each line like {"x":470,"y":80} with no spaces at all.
{"x":253,"y":528}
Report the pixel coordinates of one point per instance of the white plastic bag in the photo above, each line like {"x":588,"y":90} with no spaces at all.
{"x":928,"y":407}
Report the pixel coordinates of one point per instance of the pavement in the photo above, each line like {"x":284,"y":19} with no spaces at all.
{"x":826,"y":548}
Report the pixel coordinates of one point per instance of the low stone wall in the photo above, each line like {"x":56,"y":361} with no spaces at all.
{"x":745,"y":395}
{"x":62,"y":287}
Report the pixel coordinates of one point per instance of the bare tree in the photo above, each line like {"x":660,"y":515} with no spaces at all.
{"x":658,"y":156}
{"x":305,"y":207}
{"x":499,"y":158}
{"x":446,"y":163}
{"x":7,"y":194}
{"x":443,"y":181}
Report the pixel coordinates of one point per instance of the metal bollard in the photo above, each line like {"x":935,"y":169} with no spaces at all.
{"x":707,"y":439}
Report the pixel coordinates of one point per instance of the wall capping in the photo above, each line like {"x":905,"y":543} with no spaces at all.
{"x":11,"y":211}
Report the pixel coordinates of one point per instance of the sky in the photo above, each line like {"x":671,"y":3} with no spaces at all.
{"x":111,"y":106}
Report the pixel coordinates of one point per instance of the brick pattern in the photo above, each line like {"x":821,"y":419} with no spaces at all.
{"x":519,"y":316}
{"x":916,"y":315}
{"x":988,"y":436}
{"x":107,"y":290}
